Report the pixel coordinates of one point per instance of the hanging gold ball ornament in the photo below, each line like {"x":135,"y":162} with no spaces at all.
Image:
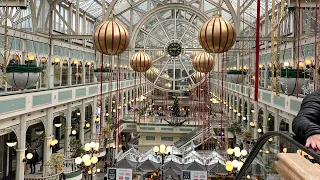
{"x":140,"y":62}
{"x":193,"y":54}
{"x":159,"y":54}
{"x":217,"y":35}
{"x":198,"y":76}
{"x":111,"y":38}
{"x":151,"y":75}
{"x":203,"y":62}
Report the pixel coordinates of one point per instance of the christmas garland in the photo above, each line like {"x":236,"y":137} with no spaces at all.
{"x":237,"y":72}
{"x":103,"y":70}
{"x":23,"y":68}
{"x":292,"y":73}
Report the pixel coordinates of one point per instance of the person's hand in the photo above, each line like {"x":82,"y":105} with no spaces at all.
{"x":313,"y":142}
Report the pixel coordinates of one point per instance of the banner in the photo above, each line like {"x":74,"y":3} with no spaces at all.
{"x":194,"y":175}
{"x":119,"y":174}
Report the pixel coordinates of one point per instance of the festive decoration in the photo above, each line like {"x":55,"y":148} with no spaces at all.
{"x":22,"y":76}
{"x":235,"y":76}
{"x":198,"y":76}
{"x":278,"y":51}
{"x":203,"y":62}
{"x":217,"y":35}
{"x":193,"y":54}
{"x":111,"y":38}
{"x":176,"y":108}
{"x":159,"y":54}
{"x":105,"y":73}
{"x":151,"y":74}
{"x":140,"y":62}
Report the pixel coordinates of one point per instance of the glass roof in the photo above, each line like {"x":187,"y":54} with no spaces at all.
{"x":140,"y":8}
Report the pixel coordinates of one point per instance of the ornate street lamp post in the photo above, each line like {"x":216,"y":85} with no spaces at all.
{"x":162,"y":151}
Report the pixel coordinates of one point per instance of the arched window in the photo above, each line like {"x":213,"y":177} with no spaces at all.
{"x":65,"y":77}
{"x":14,"y":59}
{"x":43,"y":76}
{"x":89,"y":72}
{"x":56,"y":72}
{"x":79,"y":74}
{"x":74,"y":73}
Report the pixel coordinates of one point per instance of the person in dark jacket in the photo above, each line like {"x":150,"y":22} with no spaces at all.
{"x":306,"y":125}
{"x":34,"y":161}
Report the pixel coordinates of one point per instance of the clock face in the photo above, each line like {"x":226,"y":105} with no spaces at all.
{"x":174,"y":49}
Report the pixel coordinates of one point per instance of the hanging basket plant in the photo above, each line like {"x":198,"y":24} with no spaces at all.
{"x":235,"y":76}
{"x":105,"y":73}
{"x":22,"y":76}
{"x":290,"y":81}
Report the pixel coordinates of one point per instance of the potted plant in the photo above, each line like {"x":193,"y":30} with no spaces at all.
{"x":235,"y":76}
{"x":76,"y":148}
{"x":105,"y":73}
{"x":56,"y":162}
{"x":23,"y":76}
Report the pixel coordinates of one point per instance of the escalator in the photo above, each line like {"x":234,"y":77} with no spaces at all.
{"x":193,"y":140}
{"x":263,"y":160}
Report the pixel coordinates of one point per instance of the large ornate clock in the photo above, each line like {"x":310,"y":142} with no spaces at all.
{"x":174,"y":49}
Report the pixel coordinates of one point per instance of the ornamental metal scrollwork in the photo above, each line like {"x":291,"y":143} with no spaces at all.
{"x":60,"y":113}
{"x":37,"y":120}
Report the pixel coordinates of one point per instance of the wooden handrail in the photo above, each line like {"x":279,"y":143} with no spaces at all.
{"x":292,"y":166}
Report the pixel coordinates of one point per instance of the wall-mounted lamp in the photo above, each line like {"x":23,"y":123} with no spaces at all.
{"x":56,"y":61}
{"x":252,"y":124}
{"x":53,"y":142}
{"x":43,"y":60}
{"x":39,"y":131}
{"x":87,"y":125}
{"x":73,"y":132}
{"x":97,"y":120}
{"x":57,"y":124}
{"x":11,"y":142}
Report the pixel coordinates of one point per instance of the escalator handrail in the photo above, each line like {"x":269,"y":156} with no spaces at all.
{"x":259,"y":144}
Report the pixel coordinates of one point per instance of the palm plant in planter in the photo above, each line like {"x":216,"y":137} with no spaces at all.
{"x":23,"y":76}
{"x":235,"y":76}
{"x":105,"y":73}
{"x":289,"y":78}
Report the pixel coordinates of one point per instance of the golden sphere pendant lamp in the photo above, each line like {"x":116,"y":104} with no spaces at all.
{"x":111,"y":38}
{"x":203,"y":62}
{"x":140,"y":62}
{"x":217,"y":35}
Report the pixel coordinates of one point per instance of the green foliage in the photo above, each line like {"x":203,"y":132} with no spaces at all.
{"x":292,"y":73}
{"x":176,"y":108}
{"x":106,"y":69}
{"x":56,"y":162}
{"x":76,"y":148}
{"x":23,"y":68}
{"x":247,"y":135}
{"x":236,"y":126}
{"x":238,"y":72}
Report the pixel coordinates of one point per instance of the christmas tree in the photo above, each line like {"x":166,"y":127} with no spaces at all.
{"x":175,"y":108}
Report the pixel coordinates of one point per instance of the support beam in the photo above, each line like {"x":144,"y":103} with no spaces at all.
{"x":240,"y":38}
